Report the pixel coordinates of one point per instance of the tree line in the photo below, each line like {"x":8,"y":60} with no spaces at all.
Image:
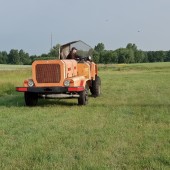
{"x":130,"y":54}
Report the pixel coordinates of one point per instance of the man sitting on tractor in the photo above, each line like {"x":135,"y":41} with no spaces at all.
{"x":73,"y":54}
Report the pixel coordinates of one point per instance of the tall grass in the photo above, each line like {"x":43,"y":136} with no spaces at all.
{"x":128,"y":127}
{"x":11,"y":76}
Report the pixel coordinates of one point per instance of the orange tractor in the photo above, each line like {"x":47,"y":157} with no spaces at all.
{"x":63,"y":78}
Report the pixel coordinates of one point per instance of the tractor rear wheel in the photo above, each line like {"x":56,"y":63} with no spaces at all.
{"x":31,"y":99}
{"x":95,"y":89}
{"x":83,"y":98}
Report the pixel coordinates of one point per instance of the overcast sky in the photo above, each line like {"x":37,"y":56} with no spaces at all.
{"x":28,"y":24}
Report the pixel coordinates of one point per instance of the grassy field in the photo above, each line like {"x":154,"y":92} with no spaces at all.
{"x":128,"y":127}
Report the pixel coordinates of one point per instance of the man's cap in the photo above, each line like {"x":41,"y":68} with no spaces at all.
{"x":73,"y":48}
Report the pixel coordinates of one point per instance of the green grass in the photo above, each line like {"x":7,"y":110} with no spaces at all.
{"x":128,"y":127}
{"x":11,"y":76}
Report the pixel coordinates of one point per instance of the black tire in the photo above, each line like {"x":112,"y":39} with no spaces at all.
{"x":31,"y":99}
{"x":83,"y":98}
{"x":95,"y":89}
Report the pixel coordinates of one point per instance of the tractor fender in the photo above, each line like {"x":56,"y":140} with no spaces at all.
{"x":78,"y":81}
{"x":84,"y":82}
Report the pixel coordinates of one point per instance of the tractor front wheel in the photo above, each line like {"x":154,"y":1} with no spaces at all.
{"x":83,"y":98}
{"x":31,"y":99}
{"x":95,"y":89}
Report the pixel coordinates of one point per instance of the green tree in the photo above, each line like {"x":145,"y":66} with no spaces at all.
{"x":167,"y":57}
{"x":43,"y":56}
{"x":131,"y":46}
{"x":105,"y":57}
{"x":151,"y":56}
{"x":3,"y":57}
{"x":96,"y":57}
{"x":140,"y":57}
{"x":33,"y":58}
{"x":54,"y":52}
{"x":13,"y":57}
{"x":125,"y":55}
{"x":114,"y":57}
{"x":24,"y":58}
{"x":159,"y":56}
{"x":130,"y":56}
{"x":99,"y":47}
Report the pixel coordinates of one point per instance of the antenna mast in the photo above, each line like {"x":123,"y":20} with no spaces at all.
{"x":51,"y":40}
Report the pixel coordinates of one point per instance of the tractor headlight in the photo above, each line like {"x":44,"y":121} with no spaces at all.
{"x":67,"y":83}
{"x":30,"y":83}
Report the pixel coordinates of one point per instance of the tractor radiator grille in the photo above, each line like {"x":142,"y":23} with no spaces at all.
{"x":48,"y":73}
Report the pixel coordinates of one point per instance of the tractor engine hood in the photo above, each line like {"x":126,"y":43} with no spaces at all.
{"x":53,"y":72}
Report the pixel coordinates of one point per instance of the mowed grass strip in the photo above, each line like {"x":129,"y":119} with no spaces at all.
{"x":128,"y":127}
